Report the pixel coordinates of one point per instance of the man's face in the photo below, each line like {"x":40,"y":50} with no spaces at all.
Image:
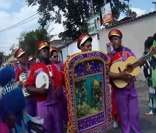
{"x":87,"y":46}
{"x":44,"y":53}
{"x":54,"y":57}
{"x":116,"y":42}
{"x":23,"y":59}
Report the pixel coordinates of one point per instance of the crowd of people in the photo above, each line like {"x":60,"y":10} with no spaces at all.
{"x":25,"y":107}
{"x":48,"y":104}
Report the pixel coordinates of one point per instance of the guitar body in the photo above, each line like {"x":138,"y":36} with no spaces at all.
{"x":115,"y":69}
{"x":120,"y":66}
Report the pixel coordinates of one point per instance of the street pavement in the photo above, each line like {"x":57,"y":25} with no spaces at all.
{"x":148,"y":123}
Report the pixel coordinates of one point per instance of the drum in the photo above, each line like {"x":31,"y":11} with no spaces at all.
{"x":42,"y":79}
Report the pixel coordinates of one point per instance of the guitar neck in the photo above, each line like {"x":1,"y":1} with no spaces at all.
{"x":145,"y":57}
{"x":149,"y":54}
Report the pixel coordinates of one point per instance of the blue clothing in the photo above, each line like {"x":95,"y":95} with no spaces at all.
{"x":6,"y":75}
{"x":12,"y":100}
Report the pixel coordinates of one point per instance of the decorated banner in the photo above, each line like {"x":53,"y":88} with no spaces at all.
{"x":106,"y":14}
{"x":88,"y":93}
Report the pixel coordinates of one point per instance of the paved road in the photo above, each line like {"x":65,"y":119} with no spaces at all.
{"x":148,"y":123}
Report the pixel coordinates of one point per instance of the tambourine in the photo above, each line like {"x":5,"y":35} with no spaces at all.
{"x":42,"y":78}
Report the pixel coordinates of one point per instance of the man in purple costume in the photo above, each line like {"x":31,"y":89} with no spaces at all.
{"x":47,"y":99}
{"x":126,"y":98}
{"x":59,"y":82}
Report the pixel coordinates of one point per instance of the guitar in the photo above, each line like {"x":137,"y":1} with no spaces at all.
{"x":121,"y":66}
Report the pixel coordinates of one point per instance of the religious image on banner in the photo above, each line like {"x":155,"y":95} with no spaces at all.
{"x":106,"y":12}
{"x":88,"y":94}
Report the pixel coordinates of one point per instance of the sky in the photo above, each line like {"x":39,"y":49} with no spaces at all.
{"x":142,"y":6}
{"x":15,"y":11}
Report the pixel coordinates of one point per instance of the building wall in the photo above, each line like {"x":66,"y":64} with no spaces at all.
{"x":134,"y":34}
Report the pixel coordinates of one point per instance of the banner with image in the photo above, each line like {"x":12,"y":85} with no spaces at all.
{"x":94,"y":24}
{"x":106,"y":12}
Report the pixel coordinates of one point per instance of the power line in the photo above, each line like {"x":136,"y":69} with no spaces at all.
{"x":24,"y":21}
{"x":19,"y":23}
{"x":9,"y":28}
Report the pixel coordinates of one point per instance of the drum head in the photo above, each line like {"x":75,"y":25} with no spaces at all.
{"x":41,"y":79}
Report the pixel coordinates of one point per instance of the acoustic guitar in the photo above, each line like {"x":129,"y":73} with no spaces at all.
{"x":120,"y":66}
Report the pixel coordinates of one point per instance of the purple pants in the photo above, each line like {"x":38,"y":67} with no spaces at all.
{"x":63,"y":108}
{"x":127,"y":103}
{"x":53,"y":121}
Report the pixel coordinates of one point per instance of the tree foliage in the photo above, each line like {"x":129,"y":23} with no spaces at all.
{"x":28,"y":40}
{"x":76,"y":13}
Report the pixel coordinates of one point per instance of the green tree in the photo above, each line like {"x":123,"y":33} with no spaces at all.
{"x":76,"y":13}
{"x":28,"y":40}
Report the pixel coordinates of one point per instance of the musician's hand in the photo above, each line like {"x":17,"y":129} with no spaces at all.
{"x":34,"y":90}
{"x":126,"y":76}
{"x":129,"y":68}
{"x":42,"y":89}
